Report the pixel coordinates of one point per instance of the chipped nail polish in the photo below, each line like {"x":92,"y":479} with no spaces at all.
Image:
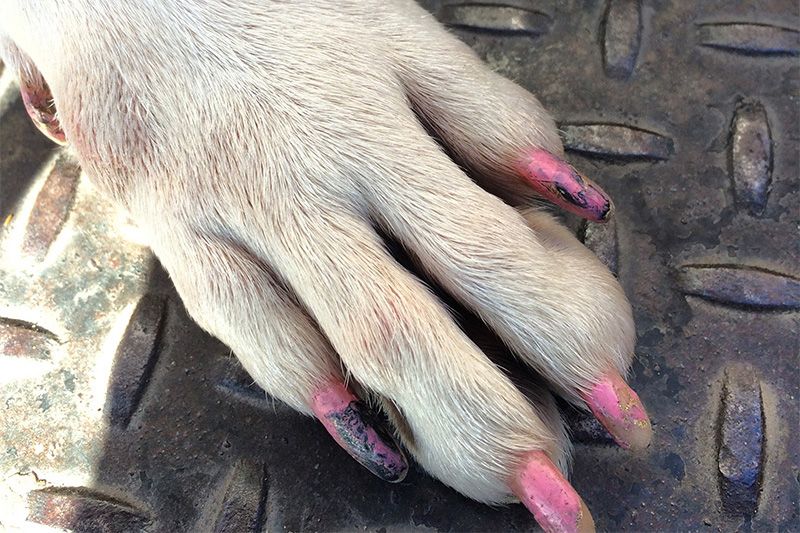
{"x":620,"y":410}
{"x":557,"y":181}
{"x":552,"y":500}
{"x":349,"y":422}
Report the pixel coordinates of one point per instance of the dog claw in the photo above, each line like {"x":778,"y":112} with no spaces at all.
{"x":621,"y":411}
{"x":38,"y":101}
{"x":347,"y":419}
{"x":557,"y":181}
{"x":552,"y":500}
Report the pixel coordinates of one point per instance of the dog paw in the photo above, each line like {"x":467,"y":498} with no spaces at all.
{"x":266,"y":148}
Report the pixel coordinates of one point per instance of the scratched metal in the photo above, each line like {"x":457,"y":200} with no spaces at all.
{"x":751,"y":156}
{"x":118,"y":413}
{"x":741,"y":461}
{"x":622,"y":37}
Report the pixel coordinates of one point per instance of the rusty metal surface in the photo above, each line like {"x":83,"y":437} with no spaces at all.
{"x":119,"y":414}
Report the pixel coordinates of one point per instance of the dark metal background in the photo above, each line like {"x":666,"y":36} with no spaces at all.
{"x":119,"y":414}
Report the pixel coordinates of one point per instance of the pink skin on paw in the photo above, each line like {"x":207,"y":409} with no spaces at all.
{"x":552,"y":500}
{"x":39,"y":104}
{"x":620,"y":410}
{"x":556,"y":181}
{"x":347,"y":419}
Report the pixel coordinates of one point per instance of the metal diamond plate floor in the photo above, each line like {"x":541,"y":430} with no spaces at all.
{"x":119,"y":414}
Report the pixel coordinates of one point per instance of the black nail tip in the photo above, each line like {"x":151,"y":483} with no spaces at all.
{"x":379,"y":453}
{"x":606,"y":212}
{"x":398,"y":475}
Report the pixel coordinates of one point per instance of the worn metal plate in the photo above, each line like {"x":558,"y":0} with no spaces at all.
{"x":119,"y":414}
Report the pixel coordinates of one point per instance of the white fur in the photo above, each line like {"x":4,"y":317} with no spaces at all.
{"x":258,"y":141}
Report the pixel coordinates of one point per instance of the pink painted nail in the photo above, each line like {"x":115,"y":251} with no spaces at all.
{"x":557,"y":181}
{"x":37,"y":99}
{"x":552,"y":500}
{"x":347,"y":419}
{"x":620,"y":410}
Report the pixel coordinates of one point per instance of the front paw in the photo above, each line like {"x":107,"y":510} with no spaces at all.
{"x":306,"y":324}
{"x":263,"y":192}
